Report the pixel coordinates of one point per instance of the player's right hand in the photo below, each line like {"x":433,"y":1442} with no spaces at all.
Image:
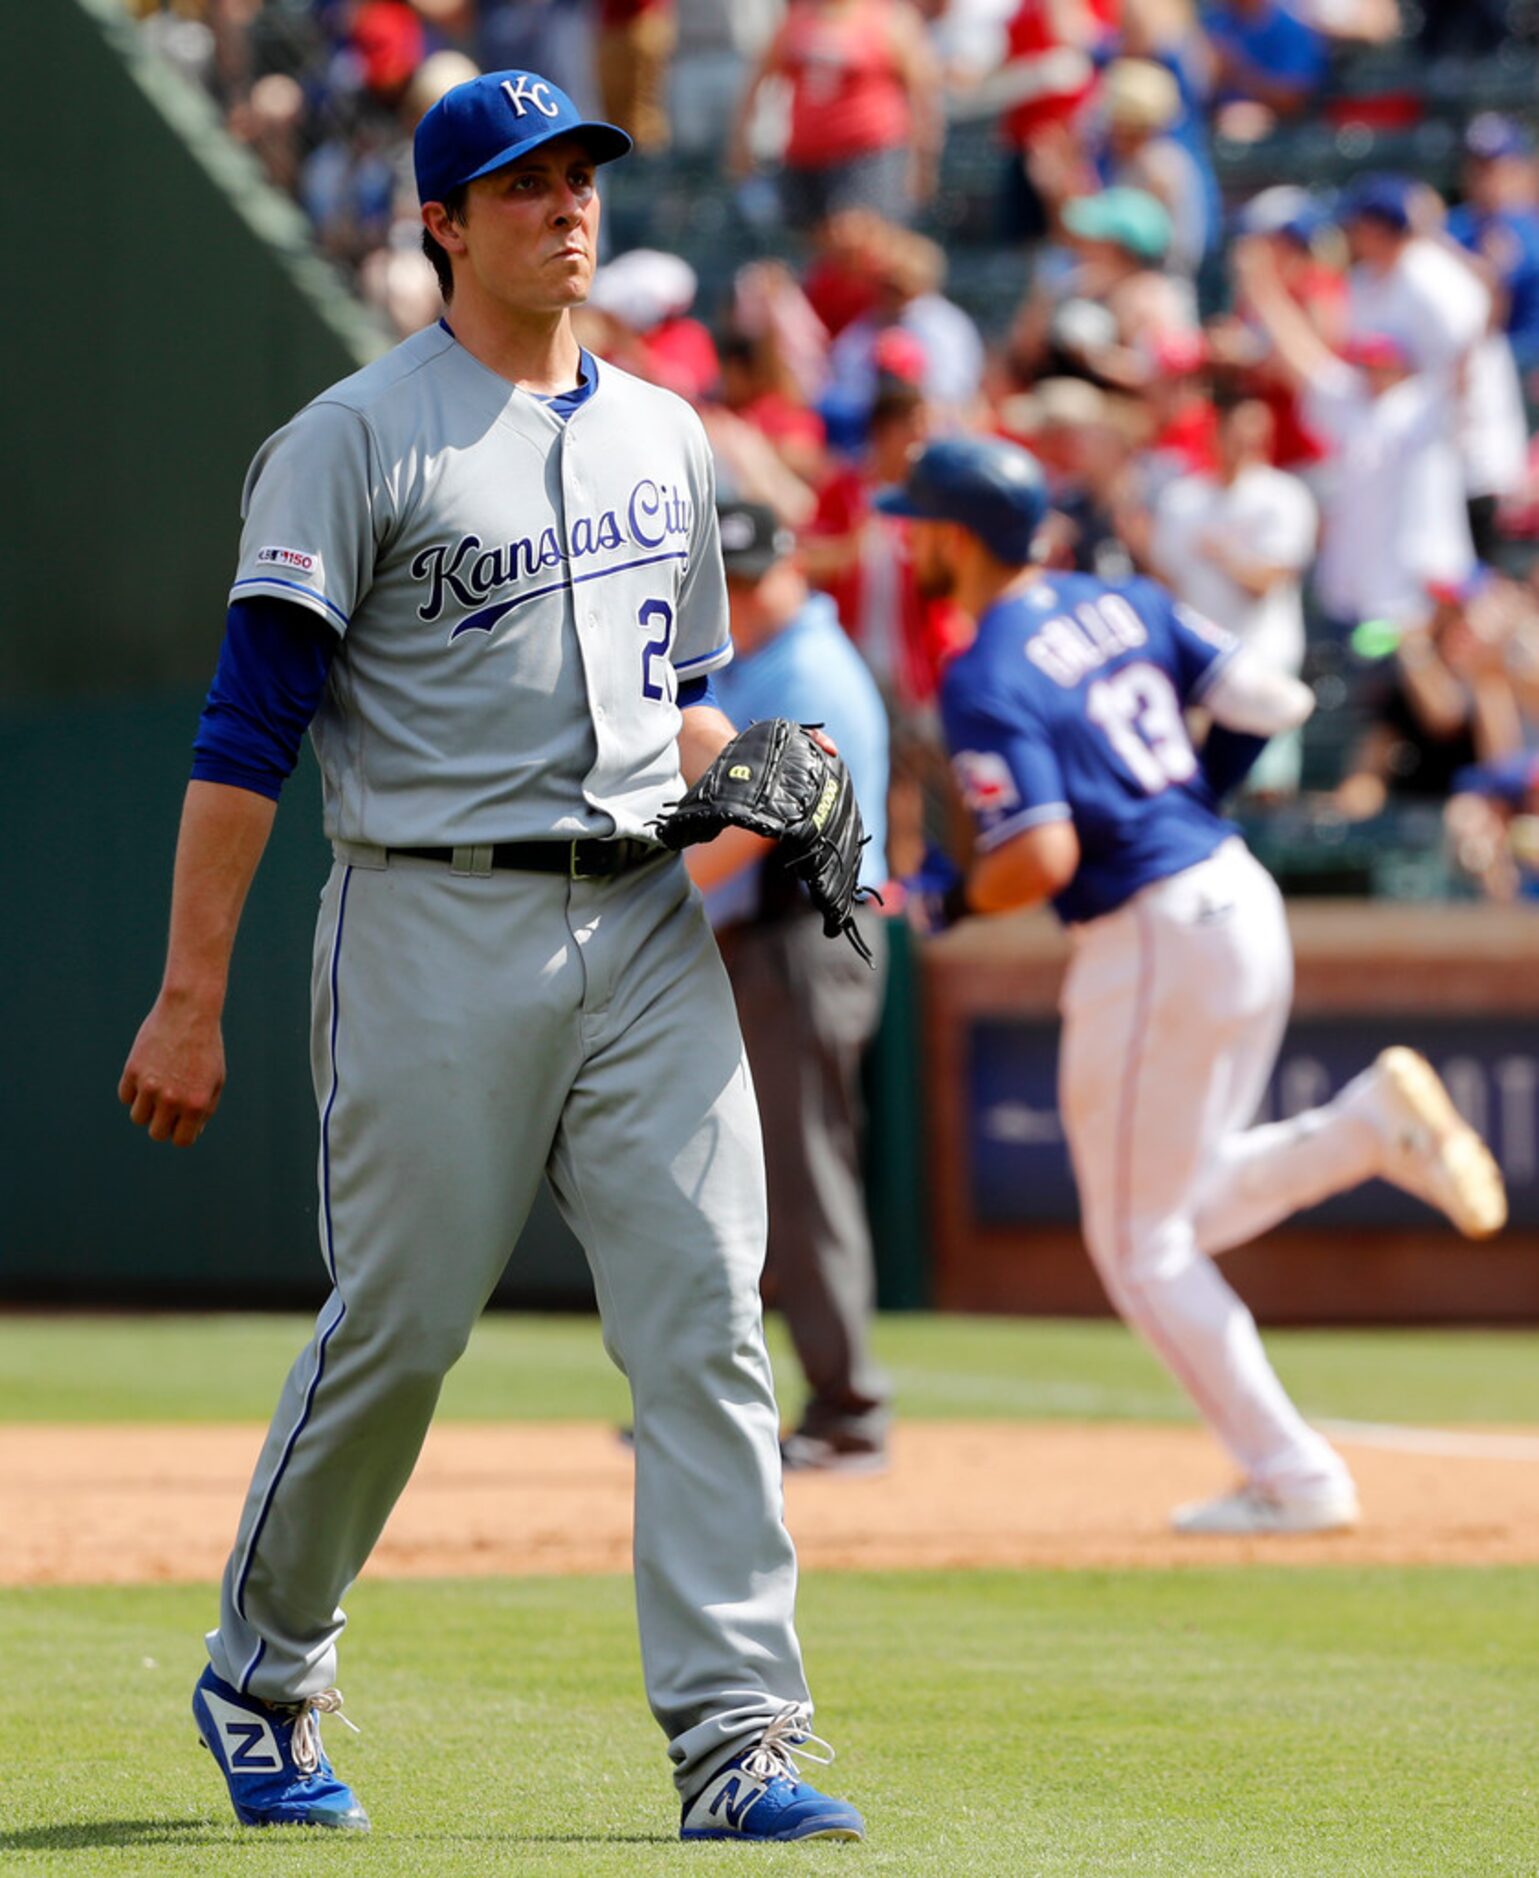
{"x":174,"y":1075}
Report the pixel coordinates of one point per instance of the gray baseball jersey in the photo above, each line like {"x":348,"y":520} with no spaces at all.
{"x":508,"y":589}
{"x":516,"y":599}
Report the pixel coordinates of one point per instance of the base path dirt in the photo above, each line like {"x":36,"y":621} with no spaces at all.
{"x":132,"y":1505}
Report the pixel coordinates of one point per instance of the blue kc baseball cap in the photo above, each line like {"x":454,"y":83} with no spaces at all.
{"x":494,"y":120}
{"x":994,"y":488}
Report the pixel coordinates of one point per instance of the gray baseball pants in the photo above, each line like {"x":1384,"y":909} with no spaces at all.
{"x":471,"y":1032}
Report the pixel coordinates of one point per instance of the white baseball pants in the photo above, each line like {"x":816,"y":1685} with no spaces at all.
{"x":1174,"y":1007}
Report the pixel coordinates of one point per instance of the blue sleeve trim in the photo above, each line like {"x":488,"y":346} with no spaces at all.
{"x":308,"y":593}
{"x":272,"y":673}
{"x":719,"y":657}
{"x":998,"y":835}
{"x":696,"y":691}
{"x":213,"y":769}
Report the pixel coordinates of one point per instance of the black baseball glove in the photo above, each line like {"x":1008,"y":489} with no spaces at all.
{"x":776,"y":781}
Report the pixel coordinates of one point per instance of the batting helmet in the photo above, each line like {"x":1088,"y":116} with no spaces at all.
{"x":994,"y":488}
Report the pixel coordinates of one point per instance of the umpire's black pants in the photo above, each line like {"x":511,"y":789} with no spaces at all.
{"x":808,"y":1007}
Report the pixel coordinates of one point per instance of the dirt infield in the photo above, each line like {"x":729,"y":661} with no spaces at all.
{"x":129,"y":1505}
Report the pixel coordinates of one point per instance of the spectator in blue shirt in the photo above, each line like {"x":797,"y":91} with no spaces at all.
{"x":1499,"y":221}
{"x":1265,"y":55}
{"x":807,"y":1013}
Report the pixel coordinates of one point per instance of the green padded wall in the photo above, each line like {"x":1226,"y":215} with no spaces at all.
{"x":162,"y":315}
{"x":90,"y":1209}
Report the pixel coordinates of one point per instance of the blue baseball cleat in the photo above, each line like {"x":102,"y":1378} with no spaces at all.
{"x":760,"y":1795}
{"x":271,"y":1756}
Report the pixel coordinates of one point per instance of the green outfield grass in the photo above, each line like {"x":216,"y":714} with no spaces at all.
{"x":1270,"y":1722}
{"x":188,"y":1368}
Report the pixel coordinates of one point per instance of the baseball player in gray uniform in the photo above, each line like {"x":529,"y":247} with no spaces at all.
{"x":485,"y":572}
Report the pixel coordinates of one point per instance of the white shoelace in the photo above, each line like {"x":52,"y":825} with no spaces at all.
{"x":786,"y":1737}
{"x":306,"y":1741}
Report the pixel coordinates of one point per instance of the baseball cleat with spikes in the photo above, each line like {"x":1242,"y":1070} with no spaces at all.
{"x":1429,"y":1148}
{"x":1254,"y":1510}
{"x":271,"y":1756}
{"x":760,"y":1794}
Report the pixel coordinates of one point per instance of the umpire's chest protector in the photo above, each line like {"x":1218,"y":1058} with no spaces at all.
{"x":517,"y":595}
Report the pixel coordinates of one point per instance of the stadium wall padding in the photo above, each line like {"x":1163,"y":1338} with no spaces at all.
{"x":90,"y":1209}
{"x":163,"y":314}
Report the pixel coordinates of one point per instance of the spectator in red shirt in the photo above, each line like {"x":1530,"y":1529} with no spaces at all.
{"x":390,"y":42}
{"x":754,"y":388}
{"x":862,"y":557}
{"x":1049,"y":72}
{"x":1293,"y":225}
{"x":1179,"y":404}
{"x":865,"y":127}
{"x":841,"y":279}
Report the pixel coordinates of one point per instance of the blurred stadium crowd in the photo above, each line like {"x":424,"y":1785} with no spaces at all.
{"x":1258,"y":281}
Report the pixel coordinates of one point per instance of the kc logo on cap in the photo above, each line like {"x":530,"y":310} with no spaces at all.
{"x":534,"y":91}
{"x":491,"y":121}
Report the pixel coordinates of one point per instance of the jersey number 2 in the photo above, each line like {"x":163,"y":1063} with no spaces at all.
{"x":1140,"y":714}
{"x":656,"y":612}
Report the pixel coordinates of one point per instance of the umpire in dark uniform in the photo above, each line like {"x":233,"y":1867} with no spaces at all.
{"x":808,"y":1009}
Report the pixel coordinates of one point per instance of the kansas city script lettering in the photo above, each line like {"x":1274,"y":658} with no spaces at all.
{"x":468,"y":573}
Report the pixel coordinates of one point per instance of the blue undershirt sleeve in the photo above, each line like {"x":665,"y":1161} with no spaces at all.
{"x":1227,"y":757}
{"x":694,"y":691}
{"x":271,"y":677}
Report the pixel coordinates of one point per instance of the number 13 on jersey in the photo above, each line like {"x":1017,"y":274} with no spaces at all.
{"x":1140,"y":715}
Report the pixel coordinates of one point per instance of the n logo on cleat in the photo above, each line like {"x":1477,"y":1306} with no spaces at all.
{"x":249,"y":1745}
{"x":732,"y":1799}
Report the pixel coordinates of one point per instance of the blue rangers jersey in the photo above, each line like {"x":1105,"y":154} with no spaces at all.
{"x":1069,"y":706}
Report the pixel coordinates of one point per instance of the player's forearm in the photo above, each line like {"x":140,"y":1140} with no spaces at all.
{"x":992,"y":888}
{"x":1024,"y":871}
{"x":705,"y":733}
{"x":1256,"y":578}
{"x":1497,"y":721}
{"x":1297,"y":347}
{"x":1061,"y":69}
{"x":1435,"y":695}
{"x":223,"y":833}
{"x":713,"y":863}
